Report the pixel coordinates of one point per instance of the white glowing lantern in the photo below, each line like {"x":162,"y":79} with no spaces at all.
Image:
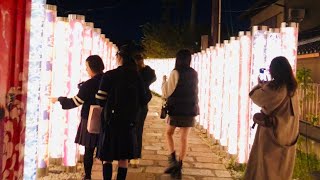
{"x":113,"y":51}
{"x":206,"y":57}
{"x":59,"y":84}
{"x":226,"y":94}
{"x":101,"y":45}
{"x":202,"y":87}
{"x":76,"y":23}
{"x":219,"y":69}
{"x":211,"y":89}
{"x":258,"y":60}
{"x":45,"y":88}
{"x":290,"y":43}
{"x":106,"y":53}
{"x":234,"y":79}
{"x":273,"y":47}
{"x":245,"y":61}
{"x":96,"y":41}
{"x":33,"y":109}
{"x":87,"y":47}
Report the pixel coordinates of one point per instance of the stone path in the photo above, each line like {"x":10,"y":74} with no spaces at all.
{"x":203,"y":162}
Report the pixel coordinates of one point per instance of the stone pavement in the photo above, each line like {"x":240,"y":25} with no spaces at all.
{"x":203,"y":162}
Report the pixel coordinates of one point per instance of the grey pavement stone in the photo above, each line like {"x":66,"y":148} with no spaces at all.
{"x":163,"y":152}
{"x":197,"y":172}
{"x":136,"y":170}
{"x":209,"y":166}
{"x":157,"y":170}
{"x":208,"y":159}
{"x":144,"y":151}
{"x":216,"y":178}
{"x":155,"y":157}
{"x":201,"y":149}
{"x":188,"y":159}
{"x":221,"y":173}
{"x":145,"y":162}
{"x":202,"y":154}
{"x":152,"y":147}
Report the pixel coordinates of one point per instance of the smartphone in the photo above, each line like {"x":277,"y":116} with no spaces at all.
{"x":263,"y":75}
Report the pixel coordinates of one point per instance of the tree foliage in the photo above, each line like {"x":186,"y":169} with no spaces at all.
{"x":164,"y":40}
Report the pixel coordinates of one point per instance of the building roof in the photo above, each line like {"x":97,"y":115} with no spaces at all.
{"x":309,"y":41}
{"x":309,"y":47}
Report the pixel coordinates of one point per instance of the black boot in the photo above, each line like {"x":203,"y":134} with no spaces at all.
{"x":122,"y":173}
{"x":177,"y":174}
{"x":107,"y":171}
{"x":173,"y":163}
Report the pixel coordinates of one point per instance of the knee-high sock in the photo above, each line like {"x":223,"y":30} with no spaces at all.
{"x":88,"y":161}
{"x":107,"y":171}
{"x":122,"y":173}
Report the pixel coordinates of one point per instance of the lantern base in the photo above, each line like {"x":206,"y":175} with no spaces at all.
{"x":70,"y":169}
{"x":55,"y":161}
{"x":41,"y":172}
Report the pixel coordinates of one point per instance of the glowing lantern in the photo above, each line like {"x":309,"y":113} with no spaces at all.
{"x":76,"y":23}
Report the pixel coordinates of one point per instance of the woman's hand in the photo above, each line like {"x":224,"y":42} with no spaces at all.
{"x":261,"y":82}
{"x":53,"y":99}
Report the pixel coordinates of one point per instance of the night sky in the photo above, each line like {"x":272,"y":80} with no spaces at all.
{"x":121,"y":20}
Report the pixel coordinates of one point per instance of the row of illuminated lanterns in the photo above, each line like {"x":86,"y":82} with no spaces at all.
{"x":226,"y":74}
{"x":58,"y":47}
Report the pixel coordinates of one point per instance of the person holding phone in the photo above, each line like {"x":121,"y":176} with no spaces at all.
{"x":274,"y":148}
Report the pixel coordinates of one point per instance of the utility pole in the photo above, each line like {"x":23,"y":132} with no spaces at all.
{"x":215,"y":22}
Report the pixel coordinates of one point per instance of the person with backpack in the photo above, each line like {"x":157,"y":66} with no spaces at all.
{"x":86,"y":98}
{"x":181,"y":92}
{"x":148,"y":75}
{"x":121,"y":94}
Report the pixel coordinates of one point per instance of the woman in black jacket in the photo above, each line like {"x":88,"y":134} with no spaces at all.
{"x":121,"y":93}
{"x":181,"y":92}
{"x":86,"y":97}
{"x":148,"y":76}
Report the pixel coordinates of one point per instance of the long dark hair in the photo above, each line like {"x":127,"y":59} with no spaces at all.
{"x":282,"y":74}
{"x":183,"y":59}
{"x":95,"y":63}
{"x":127,"y":52}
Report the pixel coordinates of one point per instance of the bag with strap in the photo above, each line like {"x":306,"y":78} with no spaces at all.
{"x":94,"y":119}
{"x":265,"y":120}
{"x":164,"y":109}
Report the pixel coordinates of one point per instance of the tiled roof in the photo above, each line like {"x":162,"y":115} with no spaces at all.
{"x":309,"y":41}
{"x":309,"y":47}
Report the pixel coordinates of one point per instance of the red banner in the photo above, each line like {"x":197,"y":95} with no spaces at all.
{"x":14,"y":52}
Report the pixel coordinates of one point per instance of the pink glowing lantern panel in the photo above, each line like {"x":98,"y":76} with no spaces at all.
{"x":234,"y":80}
{"x":76,"y":23}
{"x":96,"y":41}
{"x":45,"y":86}
{"x":290,"y":43}
{"x":245,"y":62}
{"x":59,"y":86}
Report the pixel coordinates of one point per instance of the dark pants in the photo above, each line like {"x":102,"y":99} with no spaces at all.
{"x":88,"y":161}
{"x":141,"y":118}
